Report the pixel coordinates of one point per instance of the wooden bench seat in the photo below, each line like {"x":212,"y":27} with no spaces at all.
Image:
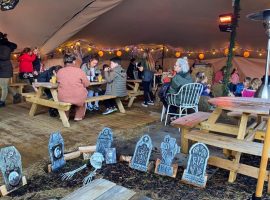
{"x":224,"y":142}
{"x":191,"y":120}
{"x":239,"y":114}
{"x":48,"y":103}
{"x":19,"y":86}
{"x":28,"y":94}
{"x":99,"y":98}
{"x":186,"y":123}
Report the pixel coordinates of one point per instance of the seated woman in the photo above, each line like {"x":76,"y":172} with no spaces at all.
{"x":181,"y":78}
{"x":91,"y":70}
{"x":72,"y":84}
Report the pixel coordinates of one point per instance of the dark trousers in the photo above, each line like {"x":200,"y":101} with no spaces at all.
{"x":148,"y":94}
{"x":109,"y":103}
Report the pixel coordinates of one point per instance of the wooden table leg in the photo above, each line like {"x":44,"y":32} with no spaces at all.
{"x":240,"y":136}
{"x":184,"y":141}
{"x":135,"y":90}
{"x":34,"y":105}
{"x":120,"y":105}
{"x":62,"y":113}
{"x":263,"y":164}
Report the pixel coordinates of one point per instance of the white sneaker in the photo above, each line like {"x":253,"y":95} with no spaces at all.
{"x":144,"y":105}
{"x":108,"y":111}
{"x":151,"y":103}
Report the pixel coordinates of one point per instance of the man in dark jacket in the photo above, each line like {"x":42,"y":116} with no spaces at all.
{"x":131,"y":69}
{"x":6,"y":69}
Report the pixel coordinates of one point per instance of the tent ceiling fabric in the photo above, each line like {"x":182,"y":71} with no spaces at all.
{"x":40,"y":23}
{"x":190,"y":24}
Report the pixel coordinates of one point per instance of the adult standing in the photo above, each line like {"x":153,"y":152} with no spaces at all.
{"x":6,"y":69}
{"x":26,"y":65}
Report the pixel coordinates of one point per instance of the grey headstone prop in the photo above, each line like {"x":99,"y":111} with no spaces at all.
{"x":56,"y":151}
{"x":11,"y":168}
{"x":195,"y":172}
{"x":110,"y":156}
{"x":169,"y":149}
{"x":141,"y":156}
{"x":104,"y":140}
{"x":96,"y":161}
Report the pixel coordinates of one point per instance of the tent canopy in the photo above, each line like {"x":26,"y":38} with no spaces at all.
{"x":189,"y":24}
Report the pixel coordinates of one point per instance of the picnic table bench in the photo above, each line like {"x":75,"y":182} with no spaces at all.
{"x":132,"y":94}
{"x":36,"y":100}
{"x":235,"y":138}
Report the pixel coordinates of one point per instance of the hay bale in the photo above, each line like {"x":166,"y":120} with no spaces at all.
{"x":217,"y":90}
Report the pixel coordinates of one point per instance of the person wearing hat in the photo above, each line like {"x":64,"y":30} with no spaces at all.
{"x":72,"y":86}
{"x":6,"y":69}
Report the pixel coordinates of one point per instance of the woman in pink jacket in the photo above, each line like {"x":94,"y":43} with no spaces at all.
{"x":72,"y":84}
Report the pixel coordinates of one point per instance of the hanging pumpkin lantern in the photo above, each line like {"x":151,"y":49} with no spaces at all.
{"x":119,"y":53}
{"x":100,"y":53}
{"x":177,"y":54}
{"x":226,"y":51}
{"x":201,"y":56}
{"x":246,"y":54}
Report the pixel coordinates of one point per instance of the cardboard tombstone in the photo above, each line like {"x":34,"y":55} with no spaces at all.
{"x":104,"y":140}
{"x":110,"y":155}
{"x":56,"y":151}
{"x":11,"y":168}
{"x":169,"y":149}
{"x":142,"y":154}
{"x":195,"y":172}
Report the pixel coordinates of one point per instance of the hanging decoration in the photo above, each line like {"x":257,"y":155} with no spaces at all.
{"x":226,"y":51}
{"x":246,"y":54}
{"x":155,"y":49}
{"x":100,"y":53}
{"x":177,"y":54}
{"x":201,"y":56}
{"x":119,"y":53}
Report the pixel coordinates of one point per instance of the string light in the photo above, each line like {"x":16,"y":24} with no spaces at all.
{"x":172,"y":51}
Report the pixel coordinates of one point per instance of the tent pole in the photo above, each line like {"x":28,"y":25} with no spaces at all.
{"x":232,"y":45}
{"x":162,"y":57}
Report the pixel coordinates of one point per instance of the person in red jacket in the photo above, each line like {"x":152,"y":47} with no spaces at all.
{"x":26,"y":65}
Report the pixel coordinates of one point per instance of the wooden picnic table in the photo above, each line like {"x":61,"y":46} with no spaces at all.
{"x":132,"y":94}
{"x":36,"y":100}
{"x":234,"y":139}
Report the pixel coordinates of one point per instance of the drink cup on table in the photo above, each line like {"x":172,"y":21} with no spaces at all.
{"x":99,"y":78}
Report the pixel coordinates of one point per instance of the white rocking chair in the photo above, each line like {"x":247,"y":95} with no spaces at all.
{"x":187,"y":97}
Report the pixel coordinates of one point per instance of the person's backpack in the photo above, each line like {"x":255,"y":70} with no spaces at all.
{"x":163,"y":91}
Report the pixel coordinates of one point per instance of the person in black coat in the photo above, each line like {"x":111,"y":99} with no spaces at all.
{"x":6,"y":69}
{"x":131,"y":69}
